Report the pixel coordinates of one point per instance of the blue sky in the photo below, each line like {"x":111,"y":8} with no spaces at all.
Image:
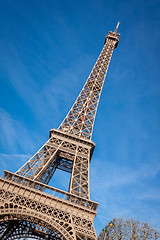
{"x":47,"y":50}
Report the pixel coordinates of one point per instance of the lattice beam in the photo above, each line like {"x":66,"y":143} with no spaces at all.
{"x":80,"y":119}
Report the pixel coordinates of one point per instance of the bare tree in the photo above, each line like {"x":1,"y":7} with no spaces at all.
{"x":120,"y":229}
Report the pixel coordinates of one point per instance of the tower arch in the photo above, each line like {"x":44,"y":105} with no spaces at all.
{"x":23,"y":222}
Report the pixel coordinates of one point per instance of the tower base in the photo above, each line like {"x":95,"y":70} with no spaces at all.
{"x":48,"y":214}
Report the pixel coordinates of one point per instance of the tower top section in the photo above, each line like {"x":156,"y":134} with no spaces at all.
{"x":80,"y":119}
{"x":113,"y":35}
{"x":117,"y":27}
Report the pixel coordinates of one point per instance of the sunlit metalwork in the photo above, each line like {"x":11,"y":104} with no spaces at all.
{"x":28,"y":206}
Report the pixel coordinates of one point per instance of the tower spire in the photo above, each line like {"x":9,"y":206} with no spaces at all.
{"x":117,"y":27}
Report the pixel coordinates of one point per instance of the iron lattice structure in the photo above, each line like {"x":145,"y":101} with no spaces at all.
{"x":28,"y":206}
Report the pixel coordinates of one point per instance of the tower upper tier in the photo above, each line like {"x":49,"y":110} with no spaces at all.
{"x":80,"y":119}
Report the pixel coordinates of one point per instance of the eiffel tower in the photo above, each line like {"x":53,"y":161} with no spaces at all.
{"x":29,"y":207}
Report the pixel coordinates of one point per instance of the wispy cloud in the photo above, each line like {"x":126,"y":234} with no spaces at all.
{"x":14,"y":136}
{"x":42,"y":98}
{"x":108,"y":175}
{"x":20,"y":78}
{"x":17,"y":143}
{"x":123,"y":191}
{"x":12,"y":162}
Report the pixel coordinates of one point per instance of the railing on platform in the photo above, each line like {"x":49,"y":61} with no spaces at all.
{"x":50,"y":190}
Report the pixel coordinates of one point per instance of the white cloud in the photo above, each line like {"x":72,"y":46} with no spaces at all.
{"x":14,"y":136}
{"x":108,"y":175}
{"x":12,"y":162}
{"x":123,"y":191}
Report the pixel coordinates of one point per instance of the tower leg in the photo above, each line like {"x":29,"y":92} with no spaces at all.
{"x":79,"y":183}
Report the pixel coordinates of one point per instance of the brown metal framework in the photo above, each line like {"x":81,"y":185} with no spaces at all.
{"x":28,"y":206}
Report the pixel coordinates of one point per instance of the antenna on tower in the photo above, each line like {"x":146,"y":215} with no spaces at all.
{"x":117,"y":27}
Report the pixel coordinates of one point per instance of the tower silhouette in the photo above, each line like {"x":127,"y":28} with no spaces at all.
{"x":28,"y":206}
